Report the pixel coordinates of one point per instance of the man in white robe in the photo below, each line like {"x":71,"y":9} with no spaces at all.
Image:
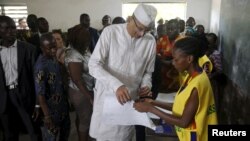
{"x":122,"y":63}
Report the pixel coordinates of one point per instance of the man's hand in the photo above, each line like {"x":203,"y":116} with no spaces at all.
{"x":48,"y":122}
{"x":36,"y":114}
{"x":122,"y":95}
{"x":145,"y":92}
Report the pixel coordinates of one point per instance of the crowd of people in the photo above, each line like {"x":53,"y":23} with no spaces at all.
{"x":44,"y":75}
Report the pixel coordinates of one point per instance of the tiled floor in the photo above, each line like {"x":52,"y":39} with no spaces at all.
{"x":73,"y":134}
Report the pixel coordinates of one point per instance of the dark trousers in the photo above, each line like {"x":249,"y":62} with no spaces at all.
{"x":14,"y":116}
{"x":140,"y":133}
{"x":1,"y":132}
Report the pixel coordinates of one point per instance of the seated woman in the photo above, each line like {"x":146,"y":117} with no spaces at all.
{"x":194,"y":107}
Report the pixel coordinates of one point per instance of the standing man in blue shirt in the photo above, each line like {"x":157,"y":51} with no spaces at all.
{"x":50,"y":92}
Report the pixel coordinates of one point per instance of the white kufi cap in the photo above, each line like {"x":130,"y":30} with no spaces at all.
{"x":145,"y":14}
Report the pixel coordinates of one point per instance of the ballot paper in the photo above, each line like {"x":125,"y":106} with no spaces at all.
{"x":163,"y":97}
{"x":166,"y":97}
{"x":153,"y":116}
{"x":116,"y":114}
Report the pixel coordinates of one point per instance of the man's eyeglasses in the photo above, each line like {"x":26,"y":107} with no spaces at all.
{"x":139,"y":28}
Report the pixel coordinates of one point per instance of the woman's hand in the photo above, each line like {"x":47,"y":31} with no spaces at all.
{"x":148,"y":100}
{"x":142,"y":106}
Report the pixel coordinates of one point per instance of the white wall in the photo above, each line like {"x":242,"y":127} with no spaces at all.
{"x":200,"y":10}
{"x":13,"y":2}
{"x":215,"y":16}
{"x":65,"y":13}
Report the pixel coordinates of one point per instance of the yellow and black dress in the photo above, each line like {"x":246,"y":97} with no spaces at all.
{"x":206,"y":112}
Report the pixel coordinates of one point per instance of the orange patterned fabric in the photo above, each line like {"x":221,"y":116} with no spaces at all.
{"x":164,"y":46}
{"x":170,"y":78}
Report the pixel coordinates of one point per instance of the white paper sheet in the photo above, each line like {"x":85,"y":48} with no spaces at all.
{"x":153,"y":116}
{"x":164,"y":97}
{"x":117,"y":114}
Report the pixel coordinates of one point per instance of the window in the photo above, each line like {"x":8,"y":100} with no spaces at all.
{"x":166,"y":11}
{"x":15,"y":12}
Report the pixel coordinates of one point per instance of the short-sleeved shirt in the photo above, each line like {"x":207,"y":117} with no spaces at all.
{"x":73,"y":55}
{"x":48,"y":83}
